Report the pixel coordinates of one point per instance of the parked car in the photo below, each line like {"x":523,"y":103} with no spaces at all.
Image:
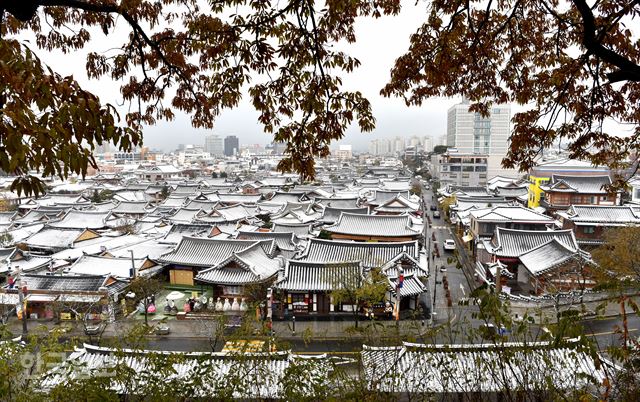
{"x":449,"y":245}
{"x":443,"y":268}
{"x":436,"y":214}
{"x":433,"y":207}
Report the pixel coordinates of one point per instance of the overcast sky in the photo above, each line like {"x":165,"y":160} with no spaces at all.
{"x":380,"y":42}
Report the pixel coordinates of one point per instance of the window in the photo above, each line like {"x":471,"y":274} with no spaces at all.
{"x":453,"y":176}
{"x":455,"y":168}
{"x":481,"y":168}
{"x":482,"y":176}
{"x":231,"y":290}
{"x":604,"y":198}
{"x":467,"y":168}
{"x":465,"y":175}
{"x":588,"y":230}
{"x":636,"y":193}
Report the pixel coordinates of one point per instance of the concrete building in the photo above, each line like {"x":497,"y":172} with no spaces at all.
{"x":427,"y":143}
{"x":461,"y":169}
{"x":231,"y":145}
{"x":344,"y":152}
{"x":470,"y":133}
{"x":213,"y":145}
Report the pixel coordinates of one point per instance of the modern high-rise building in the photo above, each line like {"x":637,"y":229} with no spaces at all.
{"x":470,"y":133}
{"x":231,"y":145}
{"x":213,"y":145}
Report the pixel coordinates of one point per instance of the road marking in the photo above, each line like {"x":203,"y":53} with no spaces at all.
{"x":439,"y":227}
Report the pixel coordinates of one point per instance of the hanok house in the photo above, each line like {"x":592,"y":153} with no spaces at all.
{"x":398,"y":205}
{"x":480,"y":372}
{"x":242,"y":268}
{"x":539,"y":261}
{"x":193,"y":254}
{"x":564,"y":191}
{"x":374,"y":228}
{"x":51,"y":240}
{"x":590,"y":223}
{"x":483,"y":222}
{"x":307,"y":287}
{"x":66,"y":295}
{"x":372,"y":255}
{"x":413,"y":288}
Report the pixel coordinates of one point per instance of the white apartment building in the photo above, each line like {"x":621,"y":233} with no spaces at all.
{"x":470,"y":133}
{"x":214,"y":144}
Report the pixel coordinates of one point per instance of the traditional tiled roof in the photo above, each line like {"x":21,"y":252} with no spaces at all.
{"x":86,"y":283}
{"x":179,"y":230}
{"x":338,"y":203}
{"x":374,"y":225}
{"x":284,"y":240}
{"x":204,"y":205}
{"x":382,"y":196}
{"x":283,"y":197}
{"x":96,"y":265}
{"x":411,"y":286}
{"x":202,"y":252}
{"x":184,"y":215}
{"x":300,"y":230}
{"x":83,"y":219}
{"x":513,"y":213}
{"x":241,"y":376}
{"x":131,"y":207}
{"x":248,"y":199}
{"x":53,"y":238}
{"x":256,"y":266}
{"x":331,"y":214}
{"x":372,"y":255}
{"x":313,"y":276}
{"x":174,"y":201}
{"x":514,"y":243}
{"x":398,"y":205}
{"x":512,"y":191}
{"x":594,"y":215}
{"x":546,"y":257}
{"x":475,"y":369}
{"x":578,"y":184}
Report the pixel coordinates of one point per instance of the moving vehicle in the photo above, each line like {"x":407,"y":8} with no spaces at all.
{"x":433,"y":207}
{"x":443,"y":268}
{"x":436,"y":214}
{"x":449,"y":245}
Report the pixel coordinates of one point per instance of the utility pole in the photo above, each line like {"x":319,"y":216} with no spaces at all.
{"x":398,"y":291}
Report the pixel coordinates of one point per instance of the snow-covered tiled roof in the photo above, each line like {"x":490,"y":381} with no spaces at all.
{"x":332,"y":214}
{"x":95,"y":265}
{"x":179,"y":230}
{"x":248,"y":199}
{"x":509,"y":213}
{"x":255,"y":266}
{"x":474,"y":369}
{"x":601,"y":214}
{"x":374,"y":225}
{"x":54,"y":238}
{"x":203,"y":252}
{"x":83,"y":219}
{"x":546,"y":256}
{"x":372,"y":255}
{"x":513,"y":242}
{"x":132,"y":207}
{"x":319,"y":276}
{"x":284,"y":240}
{"x":579,"y":184}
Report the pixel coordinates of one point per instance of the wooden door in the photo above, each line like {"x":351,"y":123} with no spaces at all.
{"x":323,"y":303}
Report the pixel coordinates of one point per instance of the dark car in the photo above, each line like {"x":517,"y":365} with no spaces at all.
{"x":433,"y":207}
{"x":436,"y":214}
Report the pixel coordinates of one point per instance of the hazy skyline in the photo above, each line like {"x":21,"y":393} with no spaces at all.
{"x":379,"y":43}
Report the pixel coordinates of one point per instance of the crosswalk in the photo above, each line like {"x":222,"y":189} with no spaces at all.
{"x":439,"y":227}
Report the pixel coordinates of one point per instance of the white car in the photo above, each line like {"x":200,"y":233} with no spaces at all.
{"x":449,"y":245}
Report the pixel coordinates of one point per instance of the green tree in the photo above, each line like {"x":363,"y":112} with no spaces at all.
{"x":164,"y":192}
{"x":224,"y":175}
{"x":440,"y":149}
{"x":359,"y":290}
{"x":95,"y":196}
{"x":501,"y":52}
{"x":145,"y":289}
{"x":214,"y":175}
{"x":416,"y":189}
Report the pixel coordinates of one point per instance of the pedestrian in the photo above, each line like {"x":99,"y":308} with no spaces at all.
{"x":192,"y":303}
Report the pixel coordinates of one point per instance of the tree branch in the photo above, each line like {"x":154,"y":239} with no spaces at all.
{"x":627,"y":69}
